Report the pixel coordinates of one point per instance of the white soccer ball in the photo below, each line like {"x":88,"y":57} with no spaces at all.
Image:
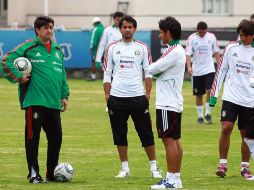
{"x":63,"y":172}
{"x":23,"y":65}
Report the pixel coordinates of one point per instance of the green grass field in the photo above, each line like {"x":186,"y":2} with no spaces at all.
{"x":88,"y":147}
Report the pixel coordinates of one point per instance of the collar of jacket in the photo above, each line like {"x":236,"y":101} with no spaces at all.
{"x":53,"y":44}
{"x":252,"y":43}
{"x":174,"y":42}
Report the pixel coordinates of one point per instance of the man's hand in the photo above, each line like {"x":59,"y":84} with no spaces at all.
{"x":148,"y":97}
{"x":64,"y":104}
{"x":98,"y":65}
{"x":107,"y":97}
{"x":213,"y":101}
{"x":190,"y":71}
{"x":24,"y":79}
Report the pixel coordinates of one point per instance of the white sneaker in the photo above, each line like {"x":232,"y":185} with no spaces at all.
{"x":165,"y":184}
{"x":250,"y":178}
{"x":123,"y":174}
{"x":156,"y":173}
{"x":179,"y":184}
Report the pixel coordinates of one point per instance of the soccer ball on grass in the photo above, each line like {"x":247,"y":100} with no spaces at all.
{"x":63,"y":172}
{"x":23,"y":65}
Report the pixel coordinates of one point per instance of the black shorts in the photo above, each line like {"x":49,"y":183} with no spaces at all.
{"x":250,"y":127}
{"x":230,"y":112}
{"x":168,"y":124}
{"x":119,"y":110}
{"x":202,"y":83}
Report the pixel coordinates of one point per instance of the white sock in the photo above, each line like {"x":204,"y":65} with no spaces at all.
{"x":33,"y":172}
{"x":177,"y":175}
{"x":125,"y":166}
{"x":245,"y":164}
{"x":93,"y":76}
{"x":250,"y":144}
{"x":223,"y":161}
{"x":153,"y":165}
{"x":200,"y":111}
{"x":169,"y":175}
{"x":207,"y":109}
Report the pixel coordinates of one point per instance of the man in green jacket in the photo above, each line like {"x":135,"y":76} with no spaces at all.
{"x":43,"y":94}
{"x":95,"y":40}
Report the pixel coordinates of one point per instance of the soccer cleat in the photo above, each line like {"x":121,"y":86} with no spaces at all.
{"x":36,"y":179}
{"x":123,"y":174}
{"x":208,"y":118}
{"x":200,"y":120}
{"x":246,"y":173}
{"x":165,"y":184}
{"x":222,"y":169}
{"x":156,"y":173}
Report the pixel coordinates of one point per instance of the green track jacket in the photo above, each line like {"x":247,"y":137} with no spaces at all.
{"x":48,"y":84}
{"x":95,"y":39}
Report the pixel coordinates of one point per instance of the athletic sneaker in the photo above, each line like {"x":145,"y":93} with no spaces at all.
{"x":200,"y":120}
{"x":165,"y":183}
{"x":179,"y":183}
{"x":245,"y":172}
{"x":156,"y":173}
{"x":36,"y":179}
{"x":208,"y":118}
{"x":222,"y":169}
{"x":123,"y":173}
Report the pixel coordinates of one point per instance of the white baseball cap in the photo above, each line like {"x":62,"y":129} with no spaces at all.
{"x":96,"y":19}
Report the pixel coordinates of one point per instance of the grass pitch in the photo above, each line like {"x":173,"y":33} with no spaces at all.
{"x":88,"y":146}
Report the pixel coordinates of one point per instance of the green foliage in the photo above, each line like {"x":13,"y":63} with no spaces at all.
{"x":88,"y":147}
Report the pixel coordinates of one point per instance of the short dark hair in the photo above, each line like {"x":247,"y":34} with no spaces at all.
{"x":42,"y":21}
{"x":252,"y":16}
{"x":117,"y":14}
{"x":246,"y":27}
{"x":172,"y":25}
{"x":128,"y":18}
{"x":202,"y":26}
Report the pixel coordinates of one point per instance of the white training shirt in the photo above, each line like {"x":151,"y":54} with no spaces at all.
{"x":236,"y":67}
{"x":126,"y":61}
{"x":202,"y":49}
{"x":109,"y":35}
{"x":171,"y":67}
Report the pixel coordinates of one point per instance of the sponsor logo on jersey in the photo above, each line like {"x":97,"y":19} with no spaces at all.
{"x":37,"y":61}
{"x":38,"y":54}
{"x":126,"y":66}
{"x":126,"y":61}
{"x":241,"y":71}
{"x":58,"y":69}
{"x":56,"y":63}
{"x":242,"y":66}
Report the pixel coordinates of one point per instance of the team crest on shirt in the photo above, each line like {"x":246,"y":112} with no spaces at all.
{"x":137,"y":52}
{"x":118,"y":52}
{"x":36,"y":115}
{"x":57,"y":55}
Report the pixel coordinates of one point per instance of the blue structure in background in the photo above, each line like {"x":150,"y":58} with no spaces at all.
{"x":74,"y":44}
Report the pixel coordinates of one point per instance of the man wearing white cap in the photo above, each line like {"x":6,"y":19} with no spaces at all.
{"x":95,"y":40}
